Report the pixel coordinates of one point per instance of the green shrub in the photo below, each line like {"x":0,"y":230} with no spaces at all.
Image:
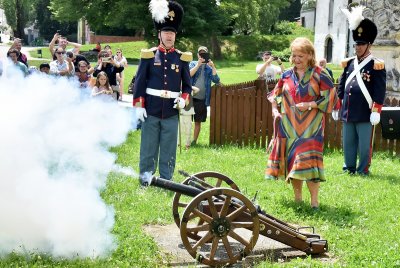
{"x":248,"y":47}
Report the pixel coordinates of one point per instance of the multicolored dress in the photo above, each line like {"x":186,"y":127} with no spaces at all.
{"x":296,"y":150}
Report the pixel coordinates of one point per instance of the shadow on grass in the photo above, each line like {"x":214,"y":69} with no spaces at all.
{"x":336,"y":215}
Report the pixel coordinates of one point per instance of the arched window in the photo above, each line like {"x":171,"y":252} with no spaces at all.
{"x":331,"y":7}
{"x":328,"y":49}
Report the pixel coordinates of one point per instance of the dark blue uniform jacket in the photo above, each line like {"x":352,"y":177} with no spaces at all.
{"x":354,"y":105}
{"x":164,"y":71}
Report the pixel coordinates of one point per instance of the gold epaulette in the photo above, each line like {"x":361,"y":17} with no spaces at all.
{"x":185,"y":56}
{"x":379,"y":64}
{"x":147,"y":53}
{"x":345,"y":61}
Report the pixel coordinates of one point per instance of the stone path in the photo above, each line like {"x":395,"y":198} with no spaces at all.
{"x":174,"y":253}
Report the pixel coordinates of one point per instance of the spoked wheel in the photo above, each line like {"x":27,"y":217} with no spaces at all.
{"x":211,"y":178}
{"x":224,"y":217}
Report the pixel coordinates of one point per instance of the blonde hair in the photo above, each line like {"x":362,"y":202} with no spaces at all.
{"x":98,"y":81}
{"x":305,"y":46}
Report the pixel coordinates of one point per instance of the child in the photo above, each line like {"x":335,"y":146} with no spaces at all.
{"x":102,"y":86}
{"x":185,"y":120}
{"x":84,"y":74}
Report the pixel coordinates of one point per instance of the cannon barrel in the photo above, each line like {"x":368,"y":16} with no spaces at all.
{"x":175,"y":187}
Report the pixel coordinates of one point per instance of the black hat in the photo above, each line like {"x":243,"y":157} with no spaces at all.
{"x":364,"y":30}
{"x":365,"y":33}
{"x":167,"y":15}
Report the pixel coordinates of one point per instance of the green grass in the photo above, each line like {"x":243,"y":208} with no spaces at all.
{"x":359,"y":216}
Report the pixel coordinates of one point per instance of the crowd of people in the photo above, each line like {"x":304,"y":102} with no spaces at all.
{"x":67,"y":62}
{"x":171,"y":89}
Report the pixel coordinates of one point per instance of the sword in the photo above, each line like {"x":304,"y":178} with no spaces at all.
{"x":180,"y":133}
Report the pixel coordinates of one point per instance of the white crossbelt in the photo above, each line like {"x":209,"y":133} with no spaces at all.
{"x":356,"y":73}
{"x":166,"y":94}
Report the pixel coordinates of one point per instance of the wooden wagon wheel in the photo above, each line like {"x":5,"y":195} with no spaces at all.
{"x":212,"y":178}
{"x":232,"y":236}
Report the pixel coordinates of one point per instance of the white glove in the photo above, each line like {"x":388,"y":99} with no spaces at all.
{"x":375,"y":118}
{"x":335,"y":115}
{"x":179,"y":103}
{"x":141,"y":113}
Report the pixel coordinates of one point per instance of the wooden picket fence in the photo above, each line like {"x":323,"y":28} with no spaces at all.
{"x":240,"y":114}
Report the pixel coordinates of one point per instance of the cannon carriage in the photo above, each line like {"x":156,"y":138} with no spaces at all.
{"x":219,"y":225}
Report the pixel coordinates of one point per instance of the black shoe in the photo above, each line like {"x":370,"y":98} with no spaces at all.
{"x":193,"y":143}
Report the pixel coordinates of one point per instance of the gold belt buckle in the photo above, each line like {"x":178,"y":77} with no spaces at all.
{"x":165,"y":94}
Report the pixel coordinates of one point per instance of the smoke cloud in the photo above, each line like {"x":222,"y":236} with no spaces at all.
{"x":54,"y":162}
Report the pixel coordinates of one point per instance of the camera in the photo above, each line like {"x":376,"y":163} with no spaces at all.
{"x":275,"y":58}
{"x":205,"y":56}
{"x":106,"y":59}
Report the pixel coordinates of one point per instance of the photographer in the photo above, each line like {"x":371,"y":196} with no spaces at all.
{"x":202,"y":73}
{"x":108,"y":65}
{"x":267,"y":70}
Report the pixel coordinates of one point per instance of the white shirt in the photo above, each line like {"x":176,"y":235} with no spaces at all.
{"x":270,"y":72}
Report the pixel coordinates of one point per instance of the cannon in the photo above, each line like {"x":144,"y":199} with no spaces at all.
{"x":219,"y":225}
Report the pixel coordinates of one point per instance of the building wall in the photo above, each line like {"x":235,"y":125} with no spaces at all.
{"x":308,"y":18}
{"x":337,"y":30}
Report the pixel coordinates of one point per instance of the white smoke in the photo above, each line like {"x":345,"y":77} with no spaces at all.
{"x":54,"y":161}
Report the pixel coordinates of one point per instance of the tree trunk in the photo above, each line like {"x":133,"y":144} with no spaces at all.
{"x":20,"y":20}
{"x":216,"y":47}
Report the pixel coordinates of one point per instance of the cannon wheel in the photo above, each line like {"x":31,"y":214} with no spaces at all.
{"x":219,"y":226}
{"x":213,"y":178}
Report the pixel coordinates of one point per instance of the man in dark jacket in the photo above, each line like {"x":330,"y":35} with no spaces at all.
{"x":162,"y":86}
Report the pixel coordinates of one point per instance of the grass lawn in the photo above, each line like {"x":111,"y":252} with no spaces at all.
{"x":359,"y":216}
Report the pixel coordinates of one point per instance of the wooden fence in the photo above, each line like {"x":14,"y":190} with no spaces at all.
{"x":240,"y":114}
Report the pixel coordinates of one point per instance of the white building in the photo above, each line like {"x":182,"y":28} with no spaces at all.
{"x":4,"y":28}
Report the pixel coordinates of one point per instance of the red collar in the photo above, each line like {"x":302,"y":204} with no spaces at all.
{"x":163,"y":49}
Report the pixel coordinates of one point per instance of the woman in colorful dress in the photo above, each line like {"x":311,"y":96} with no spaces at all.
{"x":300,"y":100}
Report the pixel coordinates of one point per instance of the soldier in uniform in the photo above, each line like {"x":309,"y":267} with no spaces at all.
{"x":361,"y":89}
{"x":162,"y":87}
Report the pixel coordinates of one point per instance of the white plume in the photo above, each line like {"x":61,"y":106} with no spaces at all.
{"x":159,"y":10}
{"x":354,"y":16}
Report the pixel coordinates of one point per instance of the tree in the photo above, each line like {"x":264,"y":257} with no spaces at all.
{"x":47,"y":25}
{"x":291,"y":13}
{"x":18,"y":13}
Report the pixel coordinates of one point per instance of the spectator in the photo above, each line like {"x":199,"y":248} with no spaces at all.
{"x":61,"y":66}
{"x":17,"y":44}
{"x":13,"y":54}
{"x":76,"y":58}
{"x":202,"y":73}
{"x":63,"y":42}
{"x":121,"y":60}
{"x":299,"y":102}
{"x":361,"y":89}
{"x":84,"y":74}
{"x":111,"y":68}
{"x":267,"y":70}
{"x":162,"y":73}
{"x":322,"y":63}
{"x":44,"y":68}
{"x":102,"y":87}
{"x":97,"y":48}
{"x":185,"y":120}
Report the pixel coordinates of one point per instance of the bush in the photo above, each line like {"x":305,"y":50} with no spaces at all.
{"x":248,"y":47}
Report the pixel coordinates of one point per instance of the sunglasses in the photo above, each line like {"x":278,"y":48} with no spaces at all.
{"x":60,"y":52}
{"x":119,"y":52}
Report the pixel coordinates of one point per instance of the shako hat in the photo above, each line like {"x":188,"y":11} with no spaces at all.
{"x":167,"y":15}
{"x":364,"y":30}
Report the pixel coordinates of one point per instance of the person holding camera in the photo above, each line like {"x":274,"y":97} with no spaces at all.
{"x":108,"y":65}
{"x":267,"y":70}
{"x":62,"y":66}
{"x":202,"y":73}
